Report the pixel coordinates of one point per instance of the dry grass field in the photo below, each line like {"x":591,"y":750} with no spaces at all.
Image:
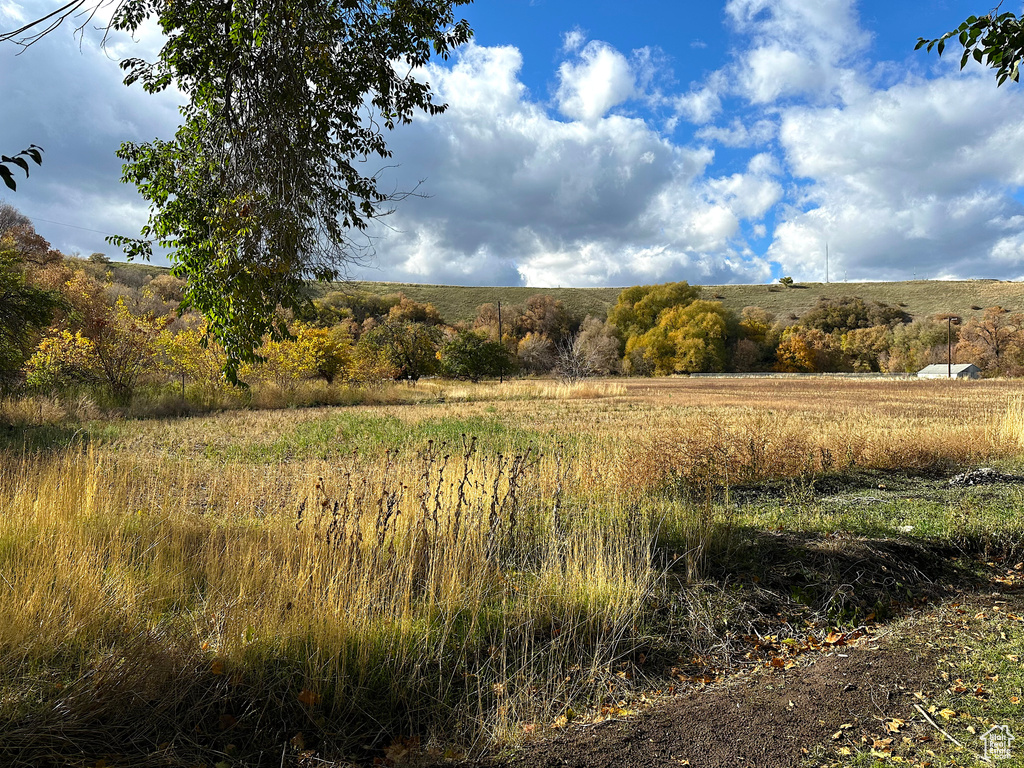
{"x":460,"y":568}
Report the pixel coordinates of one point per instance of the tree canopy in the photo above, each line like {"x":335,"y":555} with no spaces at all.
{"x":264,"y":186}
{"x":25,"y":309}
{"x":995,"y":40}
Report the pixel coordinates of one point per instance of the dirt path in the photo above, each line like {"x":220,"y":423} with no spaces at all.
{"x":764,"y":720}
{"x":776,"y":718}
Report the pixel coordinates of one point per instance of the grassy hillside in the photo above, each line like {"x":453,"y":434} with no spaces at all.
{"x":919,"y":298}
{"x":459,"y":303}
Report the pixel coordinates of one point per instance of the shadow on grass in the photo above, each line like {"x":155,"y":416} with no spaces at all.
{"x":41,"y":439}
{"x":841,"y":578}
{"x":760,"y":589}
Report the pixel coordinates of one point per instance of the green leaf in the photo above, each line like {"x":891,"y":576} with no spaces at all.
{"x":8,"y":178}
{"x":20,"y":162}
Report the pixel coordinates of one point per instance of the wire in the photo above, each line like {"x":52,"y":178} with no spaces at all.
{"x":62,"y":224}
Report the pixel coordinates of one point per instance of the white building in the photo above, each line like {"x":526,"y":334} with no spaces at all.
{"x":943,"y":371}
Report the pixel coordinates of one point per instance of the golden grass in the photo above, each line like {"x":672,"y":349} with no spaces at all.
{"x":373,"y":587}
{"x":443,"y":588}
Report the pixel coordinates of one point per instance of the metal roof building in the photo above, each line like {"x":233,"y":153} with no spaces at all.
{"x":943,"y":371}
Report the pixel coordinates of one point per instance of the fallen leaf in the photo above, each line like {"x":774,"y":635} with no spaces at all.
{"x":217,"y":667}
{"x":400,"y":749}
{"x":309,"y":698}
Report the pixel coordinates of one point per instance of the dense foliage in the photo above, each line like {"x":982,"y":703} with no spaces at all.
{"x":274,"y":172}
{"x":70,"y":325}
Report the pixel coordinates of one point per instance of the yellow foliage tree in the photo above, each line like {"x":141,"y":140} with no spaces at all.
{"x":310,"y":353}
{"x":687,"y":339}
{"x":61,"y":359}
{"x":806,"y":350}
{"x":184,"y":355}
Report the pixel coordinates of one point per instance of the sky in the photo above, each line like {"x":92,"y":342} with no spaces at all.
{"x":604,"y":143}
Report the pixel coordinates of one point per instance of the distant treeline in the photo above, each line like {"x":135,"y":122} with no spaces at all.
{"x":71,"y":323}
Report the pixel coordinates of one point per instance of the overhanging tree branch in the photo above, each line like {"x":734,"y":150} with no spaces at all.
{"x":262,"y":187}
{"x":995,"y":40}
{"x":34,"y":153}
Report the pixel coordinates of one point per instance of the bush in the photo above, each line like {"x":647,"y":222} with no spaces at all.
{"x":468,"y":355}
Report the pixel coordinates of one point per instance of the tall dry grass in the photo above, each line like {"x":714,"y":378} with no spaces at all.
{"x":150,"y":586}
{"x":448,"y":592}
{"x":809,"y":430}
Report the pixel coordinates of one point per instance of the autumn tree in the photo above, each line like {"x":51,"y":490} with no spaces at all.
{"x":807,"y":350}
{"x":867,"y":349}
{"x":759,"y":335}
{"x":287,"y":102}
{"x":487,"y":320}
{"x":918,"y":344}
{"x":599,"y":345}
{"x":593,"y":351}
{"x":846,"y":313}
{"x":536,"y":353}
{"x":408,"y":349}
{"x":638,"y":308}
{"x":987,"y":341}
{"x":25,"y":310}
{"x":186,"y":355}
{"x":122,"y":340}
{"x":471,"y":355}
{"x":546,"y":316}
{"x":686,"y":339}
{"x":348,"y":305}
{"x":409,"y":311}
{"x":61,"y":360}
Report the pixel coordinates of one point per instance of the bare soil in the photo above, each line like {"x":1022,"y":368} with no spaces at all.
{"x":775,"y":718}
{"x":766,"y":720}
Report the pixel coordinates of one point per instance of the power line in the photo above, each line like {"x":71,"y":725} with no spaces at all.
{"x":63,"y":224}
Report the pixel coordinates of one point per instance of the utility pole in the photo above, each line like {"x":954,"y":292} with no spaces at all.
{"x":950,"y":321}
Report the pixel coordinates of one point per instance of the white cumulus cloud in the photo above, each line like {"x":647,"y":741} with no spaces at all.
{"x":593,"y":201}
{"x":916,"y":179}
{"x":599,"y":80}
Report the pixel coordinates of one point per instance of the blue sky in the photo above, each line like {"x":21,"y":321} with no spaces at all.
{"x":610,"y":143}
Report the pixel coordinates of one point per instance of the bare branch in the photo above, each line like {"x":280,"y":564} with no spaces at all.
{"x":31,"y":33}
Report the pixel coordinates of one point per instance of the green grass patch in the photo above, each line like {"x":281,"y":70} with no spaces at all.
{"x":342,"y":434}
